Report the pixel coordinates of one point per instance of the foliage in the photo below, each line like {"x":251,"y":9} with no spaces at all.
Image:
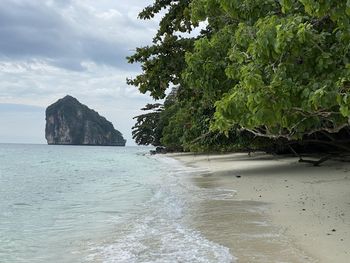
{"x":147,"y":130}
{"x":261,"y":71}
{"x":163,"y":61}
{"x":289,"y":61}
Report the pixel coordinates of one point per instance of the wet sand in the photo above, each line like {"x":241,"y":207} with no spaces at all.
{"x":282,"y":210}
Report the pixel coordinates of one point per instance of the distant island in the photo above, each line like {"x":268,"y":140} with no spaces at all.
{"x":69,"y":122}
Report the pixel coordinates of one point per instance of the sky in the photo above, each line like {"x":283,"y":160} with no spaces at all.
{"x":51,"y":48}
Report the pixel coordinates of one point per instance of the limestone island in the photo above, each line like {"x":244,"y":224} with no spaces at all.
{"x":68,"y":122}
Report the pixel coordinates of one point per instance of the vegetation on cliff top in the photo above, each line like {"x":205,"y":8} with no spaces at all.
{"x":260,"y":74}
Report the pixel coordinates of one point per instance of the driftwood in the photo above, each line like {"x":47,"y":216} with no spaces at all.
{"x":337,"y":156}
{"x":314,"y":162}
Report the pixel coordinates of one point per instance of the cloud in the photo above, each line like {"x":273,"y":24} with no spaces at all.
{"x":50,"y":48}
{"x":67,"y":33}
{"x":38,"y":83}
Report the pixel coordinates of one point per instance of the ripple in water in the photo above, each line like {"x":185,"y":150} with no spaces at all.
{"x":93,"y":204}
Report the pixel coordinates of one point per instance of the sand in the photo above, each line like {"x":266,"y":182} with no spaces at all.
{"x":287,"y":211}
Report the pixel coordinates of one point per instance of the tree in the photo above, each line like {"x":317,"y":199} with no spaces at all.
{"x":162,"y":65}
{"x":163,"y":62}
{"x":184,"y":121}
{"x":288,"y":64}
{"x":147,"y":130}
{"x":277,"y":70}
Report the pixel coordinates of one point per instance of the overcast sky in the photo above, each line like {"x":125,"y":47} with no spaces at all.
{"x":51,"y":48}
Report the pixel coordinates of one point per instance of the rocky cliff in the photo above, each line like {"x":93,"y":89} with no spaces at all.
{"x":71,"y":123}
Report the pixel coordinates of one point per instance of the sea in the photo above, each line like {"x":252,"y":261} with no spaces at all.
{"x":99,"y":204}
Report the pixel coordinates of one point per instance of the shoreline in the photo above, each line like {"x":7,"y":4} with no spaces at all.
{"x":308,"y":207}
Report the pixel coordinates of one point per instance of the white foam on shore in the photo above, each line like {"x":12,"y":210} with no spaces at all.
{"x":160,"y":233}
{"x":183,"y":173}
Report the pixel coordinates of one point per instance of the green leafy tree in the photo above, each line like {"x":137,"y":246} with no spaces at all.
{"x":147,"y":130}
{"x":275,"y":69}
{"x":163,"y":62}
{"x":162,"y":65}
{"x":184,"y":122}
{"x":287,"y":62}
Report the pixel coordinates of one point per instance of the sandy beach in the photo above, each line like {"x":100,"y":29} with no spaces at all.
{"x":281,"y":210}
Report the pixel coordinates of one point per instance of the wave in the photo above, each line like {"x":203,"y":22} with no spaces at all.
{"x":160,"y":232}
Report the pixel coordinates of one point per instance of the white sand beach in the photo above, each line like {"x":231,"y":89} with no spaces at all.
{"x":310,"y":206}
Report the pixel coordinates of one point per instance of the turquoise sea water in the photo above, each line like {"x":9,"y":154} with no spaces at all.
{"x":96,"y":204}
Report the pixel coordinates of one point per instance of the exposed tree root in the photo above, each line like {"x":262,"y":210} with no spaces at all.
{"x":316,"y":162}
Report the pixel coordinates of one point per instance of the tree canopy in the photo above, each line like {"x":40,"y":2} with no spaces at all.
{"x":278,"y":70}
{"x":164,"y":60}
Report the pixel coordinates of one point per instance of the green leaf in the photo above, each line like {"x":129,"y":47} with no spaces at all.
{"x":347,"y":9}
{"x":344,"y":110}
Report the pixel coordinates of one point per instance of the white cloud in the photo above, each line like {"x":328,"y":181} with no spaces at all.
{"x":53,"y":48}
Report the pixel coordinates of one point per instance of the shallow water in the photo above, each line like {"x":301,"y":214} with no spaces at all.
{"x":244,"y":226}
{"x":99,"y":204}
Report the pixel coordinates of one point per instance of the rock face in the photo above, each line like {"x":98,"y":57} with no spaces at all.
{"x":69,"y":122}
